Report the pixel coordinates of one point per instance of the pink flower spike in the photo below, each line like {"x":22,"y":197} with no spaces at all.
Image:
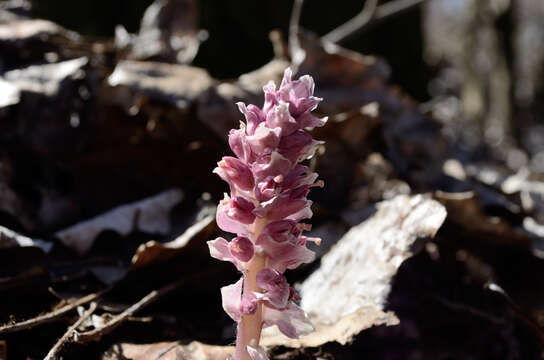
{"x":267,"y":201}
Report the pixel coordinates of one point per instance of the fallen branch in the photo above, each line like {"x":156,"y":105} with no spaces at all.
{"x":53,"y":353}
{"x":96,"y":334}
{"x":49,"y":317}
{"x":370,"y":15}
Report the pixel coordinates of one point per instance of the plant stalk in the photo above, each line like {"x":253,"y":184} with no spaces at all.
{"x":249,"y":329}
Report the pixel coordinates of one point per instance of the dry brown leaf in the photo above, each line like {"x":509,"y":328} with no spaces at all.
{"x":168,"y":351}
{"x":153,"y":252}
{"x":348,"y":292}
{"x":149,"y":215}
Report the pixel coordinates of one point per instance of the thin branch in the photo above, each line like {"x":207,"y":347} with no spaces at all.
{"x":395,"y":8}
{"x":53,"y":353}
{"x":96,"y":334}
{"x":49,"y":317}
{"x":351,"y":26}
{"x":370,"y":15}
{"x":517,"y":310}
{"x":297,"y":53}
{"x":469,"y":309}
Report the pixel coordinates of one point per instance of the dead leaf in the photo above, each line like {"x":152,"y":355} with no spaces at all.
{"x":348,"y":292}
{"x":9,"y":238}
{"x":26,"y":29}
{"x":152,"y":251}
{"x":46,"y":79}
{"x":9,"y":94}
{"x":178,"y":85}
{"x":169,"y":31}
{"x":168,"y":351}
{"x":149,"y":215}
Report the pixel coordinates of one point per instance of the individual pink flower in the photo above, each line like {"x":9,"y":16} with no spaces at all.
{"x":267,"y":201}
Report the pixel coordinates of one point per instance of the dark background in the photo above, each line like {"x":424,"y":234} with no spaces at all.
{"x":239,"y":32}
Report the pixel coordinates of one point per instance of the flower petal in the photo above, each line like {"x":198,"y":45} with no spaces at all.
{"x":270,"y":166}
{"x":279,"y":117}
{"x":276,"y":288}
{"x":291,"y":321}
{"x":281,"y":207}
{"x":253,"y":115}
{"x":241,"y":248}
{"x":227,"y":223}
{"x":264,"y":140}
{"x":219,"y":249}
{"x":240,"y":146}
{"x":257,"y":353}
{"x":231,"y":297}
{"x":295,"y":145}
{"x":284,"y":255}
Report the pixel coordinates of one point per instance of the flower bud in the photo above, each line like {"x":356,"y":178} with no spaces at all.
{"x":241,"y":248}
{"x":275,"y":286}
{"x":235,"y":172}
{"x":253,"y":115}
{"x":294,"y":145}
{"x":279,"y":117}
{"x":241,"y":210}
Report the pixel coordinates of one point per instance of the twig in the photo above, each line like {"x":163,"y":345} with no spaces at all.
{"x":471,"y":310}
{"x":351,"y":26}
{"x":49,"y":317}
{"x":53,"y":353}
{"x":297,"y":53}
{"x":370,"y":15}
{"x":517,"y":310}
{"x":96,"y":334}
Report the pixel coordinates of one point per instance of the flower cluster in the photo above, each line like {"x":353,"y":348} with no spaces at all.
{"x":267,"y":202}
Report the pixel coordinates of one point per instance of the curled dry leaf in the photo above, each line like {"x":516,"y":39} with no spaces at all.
{"x":168,"y":351}
{"x":348,"y":292}
{"x":149,"y":215}
{"x":152,"y":251}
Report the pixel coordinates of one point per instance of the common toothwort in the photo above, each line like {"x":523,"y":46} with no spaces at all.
{"x":267,"y":202}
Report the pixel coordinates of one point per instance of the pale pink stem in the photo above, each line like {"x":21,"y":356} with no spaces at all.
{"x":249,"y":329}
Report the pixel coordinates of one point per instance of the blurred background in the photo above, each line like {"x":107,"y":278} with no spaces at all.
{"x":114,"y":113}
